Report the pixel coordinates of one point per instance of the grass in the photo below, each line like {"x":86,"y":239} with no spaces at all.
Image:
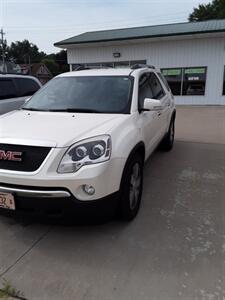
{"x":7,"y":291}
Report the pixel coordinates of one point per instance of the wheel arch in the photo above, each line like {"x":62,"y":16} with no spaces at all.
{"x":170,"y":119}
{"x":173,"y":117}
{"x":138,"y":149}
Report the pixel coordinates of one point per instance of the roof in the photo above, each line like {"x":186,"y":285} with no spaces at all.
{"x":104,"y":72}
{"x":98,"y":72}
{"x":6,"y":75}
{"x":9,"y":75}
{"x":165,"y":30}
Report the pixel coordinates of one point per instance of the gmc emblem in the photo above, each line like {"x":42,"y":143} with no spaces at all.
{"x":10,"y":155}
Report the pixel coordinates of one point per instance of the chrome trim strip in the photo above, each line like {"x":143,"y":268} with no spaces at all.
{"x":35,"y":193}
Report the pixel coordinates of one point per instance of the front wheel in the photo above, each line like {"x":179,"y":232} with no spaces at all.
{"x":131,"y":188}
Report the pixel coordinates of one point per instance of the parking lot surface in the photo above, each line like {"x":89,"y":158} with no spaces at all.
{"x":174,"y":249}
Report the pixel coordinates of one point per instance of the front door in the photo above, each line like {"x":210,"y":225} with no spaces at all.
{"x":149,"y":120}
{"x":160,"y":94}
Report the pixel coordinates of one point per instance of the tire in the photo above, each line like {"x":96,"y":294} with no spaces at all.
{"x":168,"y":141}
{"x":131,"y":188}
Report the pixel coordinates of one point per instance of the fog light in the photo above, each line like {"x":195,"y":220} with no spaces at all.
{"x":89,"y":189}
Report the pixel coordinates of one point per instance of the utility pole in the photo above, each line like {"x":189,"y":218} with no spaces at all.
{"x":2,"y":33}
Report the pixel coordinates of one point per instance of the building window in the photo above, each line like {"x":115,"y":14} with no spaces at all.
{"x":224,"y":82}
{"x":194,"y":81}
{"x":186,"y":81}
{"x":174,"y":79}
{"x":139,"y":62}
{"x":120,"y":64}
{"x":107,"y":65}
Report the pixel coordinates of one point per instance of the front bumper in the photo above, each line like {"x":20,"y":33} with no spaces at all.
{"x":57,"y":202}
{"x":104,"y":177}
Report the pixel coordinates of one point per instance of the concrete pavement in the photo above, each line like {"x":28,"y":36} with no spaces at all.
{"x":201,"y":124}
{"x":175,"y":249}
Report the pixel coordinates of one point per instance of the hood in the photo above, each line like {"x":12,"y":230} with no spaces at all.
{"x":54,"y":129}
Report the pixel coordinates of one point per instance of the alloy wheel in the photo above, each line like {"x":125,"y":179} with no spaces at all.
{"x":135,"y":186}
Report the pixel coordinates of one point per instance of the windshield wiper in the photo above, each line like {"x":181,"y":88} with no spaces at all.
{"x":32,"y":109}
{"x":74,"y":110}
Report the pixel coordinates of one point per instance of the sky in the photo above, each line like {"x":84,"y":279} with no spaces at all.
{"x":44,"y":22}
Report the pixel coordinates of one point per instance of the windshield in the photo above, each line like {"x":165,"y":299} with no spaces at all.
{"x":100,"y":94}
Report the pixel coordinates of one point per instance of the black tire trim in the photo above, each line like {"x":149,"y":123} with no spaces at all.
{"x":133,"y":153}
{"x":166,"y":140}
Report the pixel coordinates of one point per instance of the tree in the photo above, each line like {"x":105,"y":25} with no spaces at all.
{"x":210,"y":11}
{"x":51,"y":65}
{"x":61,"y":59}
{"x":24,"y":52}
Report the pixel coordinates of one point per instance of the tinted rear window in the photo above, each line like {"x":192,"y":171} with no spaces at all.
{"x":27,"y":87}
{"x":7,"y":89}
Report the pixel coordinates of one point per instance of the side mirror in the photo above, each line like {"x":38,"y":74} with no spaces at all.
{"x":152,"y":105}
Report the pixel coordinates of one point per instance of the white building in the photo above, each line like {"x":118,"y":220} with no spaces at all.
{"x":190,"y":55}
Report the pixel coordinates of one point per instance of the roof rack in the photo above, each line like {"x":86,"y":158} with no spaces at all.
{"x":141,"y":66}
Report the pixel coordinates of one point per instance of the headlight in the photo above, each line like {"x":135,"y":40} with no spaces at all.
{"x":86,"y":152}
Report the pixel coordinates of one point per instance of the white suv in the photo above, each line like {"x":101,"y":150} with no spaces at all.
{"x":80,"y":143}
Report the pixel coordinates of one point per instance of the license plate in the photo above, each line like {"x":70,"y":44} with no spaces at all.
{"x":7,"y":201}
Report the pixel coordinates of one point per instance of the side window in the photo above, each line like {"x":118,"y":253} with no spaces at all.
{"x":144,"y":89}
{"x":7,"y":89}
{"x":164,"y":81}
{"x":27,"y":87}
{"x":156,"y":87}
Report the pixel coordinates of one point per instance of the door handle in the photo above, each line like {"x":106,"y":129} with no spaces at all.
{"x":159,"y":113}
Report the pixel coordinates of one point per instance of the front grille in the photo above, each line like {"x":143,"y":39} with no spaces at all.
{"x":31,"y":159}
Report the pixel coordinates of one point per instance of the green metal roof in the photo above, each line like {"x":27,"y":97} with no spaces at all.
{"x":146,"y":32}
